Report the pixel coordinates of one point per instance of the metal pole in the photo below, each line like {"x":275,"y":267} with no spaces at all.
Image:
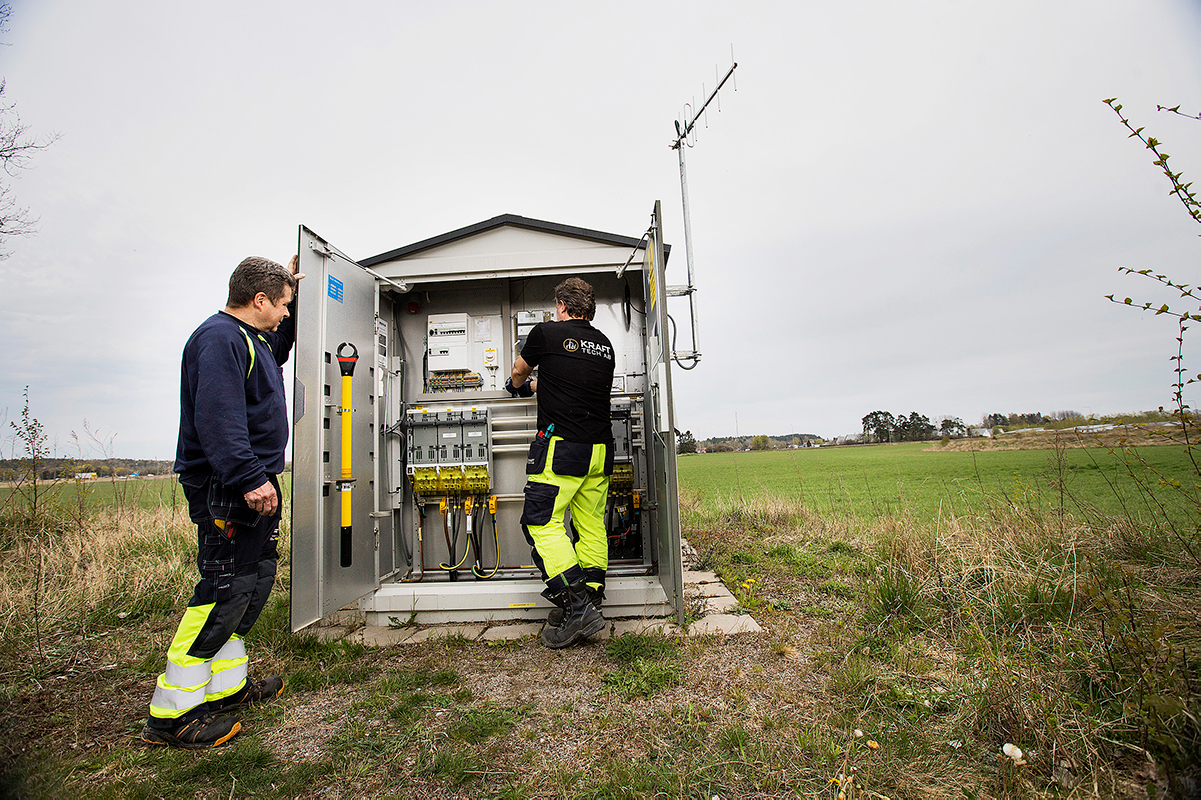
{"x":688,"y":251}
{"x":682,"y":132}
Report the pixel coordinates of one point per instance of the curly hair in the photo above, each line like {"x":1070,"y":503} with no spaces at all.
{"x":577,"y":296}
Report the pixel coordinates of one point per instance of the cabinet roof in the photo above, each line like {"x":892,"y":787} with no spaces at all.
{"x":509,"y":236}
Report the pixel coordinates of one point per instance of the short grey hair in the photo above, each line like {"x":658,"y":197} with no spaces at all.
{"x":256,"y":274}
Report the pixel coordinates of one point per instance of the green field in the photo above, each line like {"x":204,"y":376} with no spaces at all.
{"x":872,"y":481}
{"x":908,"y":478}
{"x":144,"y":493}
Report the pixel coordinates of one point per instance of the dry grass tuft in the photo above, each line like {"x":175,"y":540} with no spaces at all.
{"x":72,"y":566}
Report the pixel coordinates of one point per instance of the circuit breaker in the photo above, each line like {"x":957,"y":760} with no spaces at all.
{"x":448,"y":451}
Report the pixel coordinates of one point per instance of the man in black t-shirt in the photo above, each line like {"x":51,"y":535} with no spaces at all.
{"x":570,"y":460}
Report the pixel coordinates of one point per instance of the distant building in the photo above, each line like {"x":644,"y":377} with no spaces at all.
{"x":85,"y":476}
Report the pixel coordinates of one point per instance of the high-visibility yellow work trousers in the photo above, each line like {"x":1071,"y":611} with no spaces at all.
{"x":562,"y":475}
{"x":207,"y":660}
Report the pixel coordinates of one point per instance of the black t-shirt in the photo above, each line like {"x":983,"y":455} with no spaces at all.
{"x":575,"y":376}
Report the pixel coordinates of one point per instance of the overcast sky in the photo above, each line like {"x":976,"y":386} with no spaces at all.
{"x":909,"y":206}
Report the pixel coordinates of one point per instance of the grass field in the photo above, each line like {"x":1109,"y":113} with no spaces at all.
{"x":914,"y":478}
{"x":920,"y":610}
{"x":920,"y":480}
{"x":144,"y":493}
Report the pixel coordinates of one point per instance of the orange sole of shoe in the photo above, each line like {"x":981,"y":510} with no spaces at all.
{"x":190,"y":746}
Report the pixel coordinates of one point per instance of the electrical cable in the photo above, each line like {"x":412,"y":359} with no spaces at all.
{"x":479,"y":556}
{"x":452,"y":546}
{"x":420,"y":546}
{"x":641,"y":311}
{"x":674,"y":357}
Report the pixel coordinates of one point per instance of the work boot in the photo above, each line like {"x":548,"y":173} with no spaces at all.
{"x":252,"y":693}
{"x":581,"y":619}
{"x":556,"y":615}
{"x":203,"y":732}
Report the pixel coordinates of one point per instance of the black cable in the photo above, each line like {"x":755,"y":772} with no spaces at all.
{"x":641,"y":311}
{"x":674,"y":358}
{"x":452,"y":546}
{"x":479,"y":555}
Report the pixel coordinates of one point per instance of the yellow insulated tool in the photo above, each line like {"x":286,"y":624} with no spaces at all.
{"x":346,"y":483}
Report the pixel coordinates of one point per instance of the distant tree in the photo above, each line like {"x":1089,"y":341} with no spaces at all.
{"x":879,"y":424}
{"x":720,"y":447}
{"x":686,"y":443}
{"x":993,"y":420}
{"x":918,"y":427}
{"x":760,"y":442}
{"x":952,"y":426}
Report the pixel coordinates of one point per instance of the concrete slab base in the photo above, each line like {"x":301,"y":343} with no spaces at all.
{"x":470,"y":632}
{"x":665,"y":627}
{"x":380,"y":637}
{"x":726,"y":624}
{"x":700,"y":576}
{"x":703,"y":588}
{"x":328,"y":633}
{"x":500,"y":633}
{"x":720,"y":604}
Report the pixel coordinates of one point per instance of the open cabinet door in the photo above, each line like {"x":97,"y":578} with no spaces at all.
{"x":331,"y":565}
{"x":660,"y":427}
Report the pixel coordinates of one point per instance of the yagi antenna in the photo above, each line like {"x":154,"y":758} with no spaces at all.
{"x":685,"y":128}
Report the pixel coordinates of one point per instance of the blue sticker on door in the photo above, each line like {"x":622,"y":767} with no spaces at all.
{"x":335,"y":288}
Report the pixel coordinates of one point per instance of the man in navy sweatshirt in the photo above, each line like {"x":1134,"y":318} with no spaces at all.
{"x":233,"y":429}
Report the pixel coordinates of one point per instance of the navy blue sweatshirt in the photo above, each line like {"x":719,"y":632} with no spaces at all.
{"x":233,"y":420}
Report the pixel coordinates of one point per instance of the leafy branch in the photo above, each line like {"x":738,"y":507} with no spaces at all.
{"x":1176,"y":110}
{"x":1183,"y":191}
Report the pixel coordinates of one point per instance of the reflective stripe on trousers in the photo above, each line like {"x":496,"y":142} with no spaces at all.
{"x":183,"y":683}
{"x":229,"y":670}
{"x":181,"y":688}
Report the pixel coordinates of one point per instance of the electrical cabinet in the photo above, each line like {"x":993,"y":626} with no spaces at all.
{"x":418,"y":511}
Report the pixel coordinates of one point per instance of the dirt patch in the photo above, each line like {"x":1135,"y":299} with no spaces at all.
{"x":308,"y":723}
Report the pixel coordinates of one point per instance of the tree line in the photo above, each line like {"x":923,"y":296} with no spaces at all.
{"x":49,"y":469}
{"x":687,"y":443}
{"x":881,"y":426}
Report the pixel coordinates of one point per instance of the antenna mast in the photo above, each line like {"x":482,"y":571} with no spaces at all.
{"x":684,"y":129}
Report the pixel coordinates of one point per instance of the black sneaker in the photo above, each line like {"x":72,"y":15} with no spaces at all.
{"x":210,"y":730}
{"x":253,"y":692}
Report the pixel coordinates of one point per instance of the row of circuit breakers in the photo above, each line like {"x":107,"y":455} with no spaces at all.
{"x":449,"y":451}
